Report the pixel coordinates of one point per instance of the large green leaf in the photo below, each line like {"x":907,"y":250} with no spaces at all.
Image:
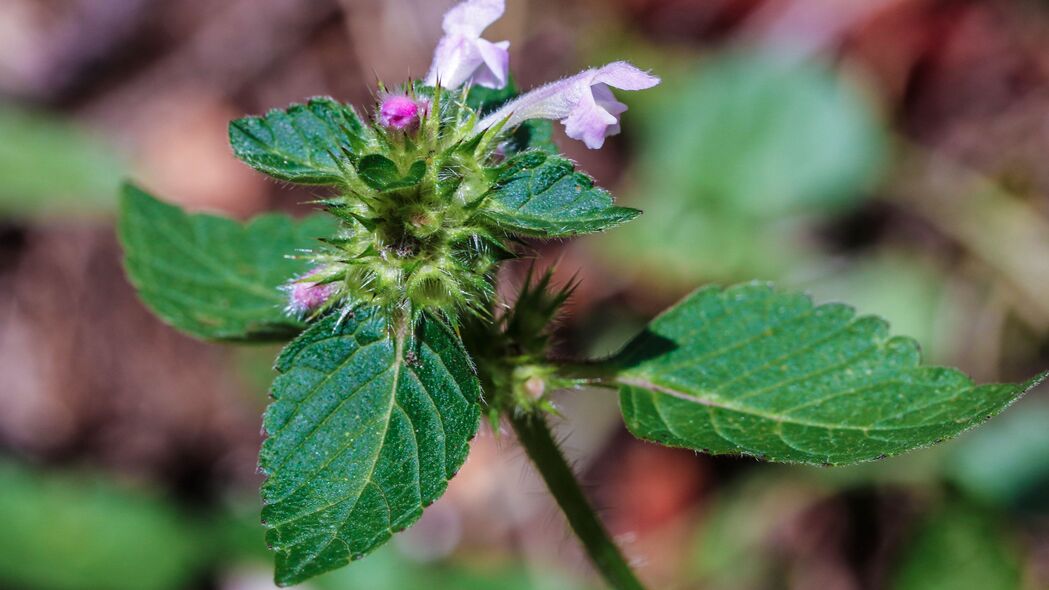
{"x":365,"y":430}
{"x":80,"y":531}
{"x":213,"y":277}
{"x":306,"y":144}
{"x":537,"y":193}
{"x":756,"y":371}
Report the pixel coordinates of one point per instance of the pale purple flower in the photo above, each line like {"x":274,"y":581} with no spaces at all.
{"x":305,"y":295}
{"x":463,"y":56}
{"x":584,"y":103}
{"x":400,"y":112}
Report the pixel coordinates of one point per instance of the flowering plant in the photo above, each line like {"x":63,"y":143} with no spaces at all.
{"x":398,"y":343}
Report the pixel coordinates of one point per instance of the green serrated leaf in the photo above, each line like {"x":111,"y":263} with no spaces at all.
{"x":382,"y":174}
{"x":365,"y":430}
{"x":210,"y":276}
{"x":305,"y":144}
{"x":752,"y":370}
{"x":540,"y":194}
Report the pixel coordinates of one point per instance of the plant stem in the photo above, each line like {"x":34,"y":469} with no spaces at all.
{"x":534,"y":435}
{"x":569,"y":374}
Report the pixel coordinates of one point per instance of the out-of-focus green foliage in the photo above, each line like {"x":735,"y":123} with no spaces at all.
{"x":81,"y":532}
{"x":960,"y":548}
{"x":1007,"y":461}
{"x":909,"y":292}
{"x":49,"y":165}
{"x":733,"y":156}
{"x":388,"y":570}
{"x":763,"y":135}
{"x":740,"y":527}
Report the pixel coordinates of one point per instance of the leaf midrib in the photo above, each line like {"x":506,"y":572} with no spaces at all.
{"x":201,"y":258}
{"x":369,"y":479}
{"x":653,"y":386}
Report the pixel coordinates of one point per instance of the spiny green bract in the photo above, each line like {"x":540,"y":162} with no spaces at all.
{"x":511,"y":355}
{"x":411,"y":240}
{"x":428,"y":202}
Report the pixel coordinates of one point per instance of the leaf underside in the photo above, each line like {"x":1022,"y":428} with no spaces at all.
{"x":305,"y":144}
{"x":540,"y":194}
{"x":755,"y":371}
{"x":212,"y":277}
{"x":365,"y":430}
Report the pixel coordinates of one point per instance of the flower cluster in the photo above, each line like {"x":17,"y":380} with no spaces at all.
{"x":415,"y":237}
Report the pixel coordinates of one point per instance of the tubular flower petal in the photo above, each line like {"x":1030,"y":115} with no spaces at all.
{"x":584,"y":103}
{"x":463,"y":56}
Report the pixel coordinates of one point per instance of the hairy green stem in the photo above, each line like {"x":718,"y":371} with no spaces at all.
{"x":534,"y":435}
{"x":571,"y":374}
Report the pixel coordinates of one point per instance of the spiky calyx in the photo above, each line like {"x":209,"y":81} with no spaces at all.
{"x":411,"y":238}
{"x":511,"y":352}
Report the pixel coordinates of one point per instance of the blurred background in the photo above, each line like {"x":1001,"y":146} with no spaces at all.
{"x":893,"y":154}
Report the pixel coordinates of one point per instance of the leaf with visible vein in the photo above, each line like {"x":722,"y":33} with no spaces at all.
{"x":540,"y":194}
{"x":752,"y":370}
{"x":382,"y":174}
{"x":305,"y":144}
{"x":365,"y":430}
{"x":210,"y":276}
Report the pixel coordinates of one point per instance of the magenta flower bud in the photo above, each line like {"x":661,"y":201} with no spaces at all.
{"x":400,"y":112}
{"x":305,"y":296}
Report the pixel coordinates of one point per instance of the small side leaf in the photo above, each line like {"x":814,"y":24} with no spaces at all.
{"x":751,"y":370}
{"x":540,"y":194}
{"x":486,"y":100}
{"x":365,"y":430}
{"x":305,"y":144}
{"x":537,"y":134}
{"x":213,"y":277}
{"x":382,"y":174}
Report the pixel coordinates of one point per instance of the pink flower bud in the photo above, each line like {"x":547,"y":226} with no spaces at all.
{"x":305,"y":297}
{"x":400,"y":112}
